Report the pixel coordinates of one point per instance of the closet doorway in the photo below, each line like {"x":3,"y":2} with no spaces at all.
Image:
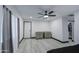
{"x":71,"y":31}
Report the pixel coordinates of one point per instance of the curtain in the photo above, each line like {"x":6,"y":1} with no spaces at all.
{"x":7,"y":46}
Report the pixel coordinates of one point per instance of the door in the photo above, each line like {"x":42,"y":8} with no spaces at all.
{"x":18,"y":30}
{"x":27,"y":29}
{"x":70,"y":30}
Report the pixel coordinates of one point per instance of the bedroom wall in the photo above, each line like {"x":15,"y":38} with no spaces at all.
{"x":14,"y":33}
{"x":56,"y":29}
{"x":65,"y":28}
{"x":21,"y":29}
{"x":76,"y":27}
{"x":59,"y":28}
{"x":39,"y":26}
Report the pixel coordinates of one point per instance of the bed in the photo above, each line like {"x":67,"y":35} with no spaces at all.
{"x":69,"y":49}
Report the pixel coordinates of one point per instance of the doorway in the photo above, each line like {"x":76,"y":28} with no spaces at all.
{"x":71,"y":31}
{"x":27,"y":29}
{"x":18,"y":30}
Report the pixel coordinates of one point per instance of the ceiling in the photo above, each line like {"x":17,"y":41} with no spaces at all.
{"x":27,"y":11}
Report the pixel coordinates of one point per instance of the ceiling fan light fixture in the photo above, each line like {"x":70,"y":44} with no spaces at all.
{"x":46,"y":16}
{"x":30,"y":17}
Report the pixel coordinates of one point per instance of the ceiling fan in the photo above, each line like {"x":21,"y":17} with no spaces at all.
{"x":46,"y":14}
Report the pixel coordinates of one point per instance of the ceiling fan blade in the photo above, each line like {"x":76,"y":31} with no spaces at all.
{"x":40,"y":13}
{"x":50,"y":12}
{"x":51,"y":15}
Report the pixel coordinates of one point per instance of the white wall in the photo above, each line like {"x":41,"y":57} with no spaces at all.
{"x":76,"y":27}
{"x":39,"y":26}
{"x":65,"y":28}
{"x":1,"y":22}
{"x":56,"y":29}
{"x":21,"y":29}
{"x":14,"y":32}
{"x":55,"y":26}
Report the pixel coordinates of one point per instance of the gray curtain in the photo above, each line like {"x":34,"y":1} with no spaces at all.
{"x":7,"y":46}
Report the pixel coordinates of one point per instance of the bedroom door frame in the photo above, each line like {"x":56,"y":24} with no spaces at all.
{"x":18,"y":25}
{"x":72,"y":23}
{"x":30,"y":28}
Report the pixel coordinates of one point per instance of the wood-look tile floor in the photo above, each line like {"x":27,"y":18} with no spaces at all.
{"x":40,"y":46}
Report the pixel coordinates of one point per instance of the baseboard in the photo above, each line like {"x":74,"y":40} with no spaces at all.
{"x":27,"y":38}
{"x":33,"y":37}
{"x":43,"y":38}
{"x":60,"y":41}
{"x":21,"y":41}
{"x":40,"y":38}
